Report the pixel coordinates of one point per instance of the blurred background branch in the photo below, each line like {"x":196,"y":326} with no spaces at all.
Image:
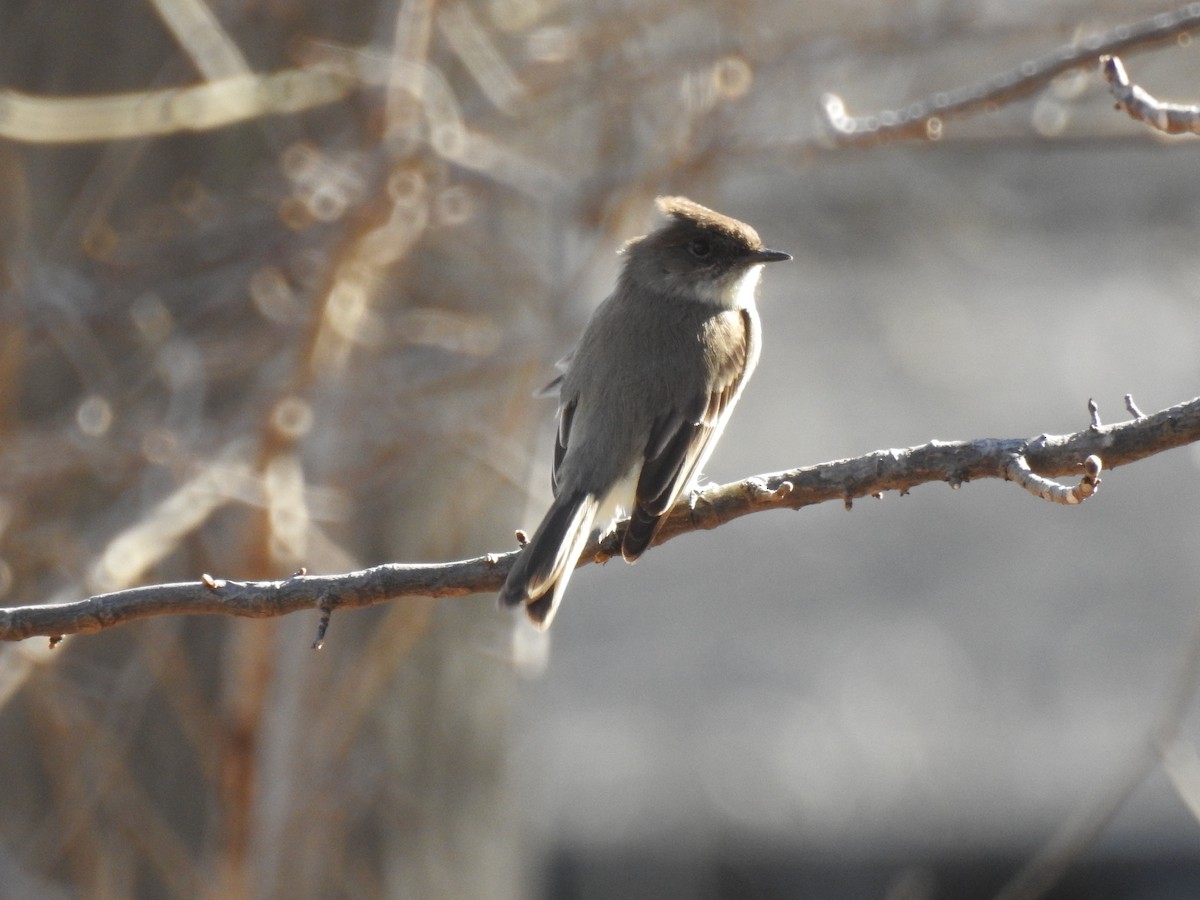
{"x":924,"y":119}
{"x":216,"y":104}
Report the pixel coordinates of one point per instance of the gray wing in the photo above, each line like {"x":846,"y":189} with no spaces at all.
{"x":683,"y":439}
{"x":566,"y":413}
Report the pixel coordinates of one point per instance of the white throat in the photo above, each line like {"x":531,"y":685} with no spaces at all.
{"x":737,"y":291}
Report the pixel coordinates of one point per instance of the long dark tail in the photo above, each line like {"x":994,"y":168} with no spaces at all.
{"x":539,"y":577}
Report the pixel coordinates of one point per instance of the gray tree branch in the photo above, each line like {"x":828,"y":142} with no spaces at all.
{"x":924,"y":118}
{"x":1030,"y":463}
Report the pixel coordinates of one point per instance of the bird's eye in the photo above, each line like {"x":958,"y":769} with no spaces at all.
{"x":699,"y":248}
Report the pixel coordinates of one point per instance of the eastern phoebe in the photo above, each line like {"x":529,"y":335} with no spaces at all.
{"x":646,"y":392}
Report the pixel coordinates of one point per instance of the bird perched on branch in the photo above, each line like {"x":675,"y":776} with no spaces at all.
{"x":646,"y":392}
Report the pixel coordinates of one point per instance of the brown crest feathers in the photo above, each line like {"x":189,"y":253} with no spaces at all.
{"x":684,"y":210}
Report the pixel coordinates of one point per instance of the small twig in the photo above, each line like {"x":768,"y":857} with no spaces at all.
{"x":1094,"y":412}
{"x":326,"y":614}
{"x":1169,"y":118}
{"x":322,"y":627}
{"x":1132,"y":407}
{"x":1018,"y":471}
{"x":923,"y":119}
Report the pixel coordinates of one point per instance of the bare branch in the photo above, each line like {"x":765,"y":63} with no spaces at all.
{"x":952,"y":462}
{"x":257,"y":599}
{"x":843,"y":480}
{"x":923,"y":118}
{"x":1170,"y":118}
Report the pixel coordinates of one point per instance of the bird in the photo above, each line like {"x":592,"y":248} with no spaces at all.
{"x":646,"y":393}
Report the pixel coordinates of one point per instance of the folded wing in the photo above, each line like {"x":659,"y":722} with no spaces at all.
{"x":684,"y":438}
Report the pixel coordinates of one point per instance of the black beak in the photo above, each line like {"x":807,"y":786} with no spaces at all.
{"x":765,"y":256}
